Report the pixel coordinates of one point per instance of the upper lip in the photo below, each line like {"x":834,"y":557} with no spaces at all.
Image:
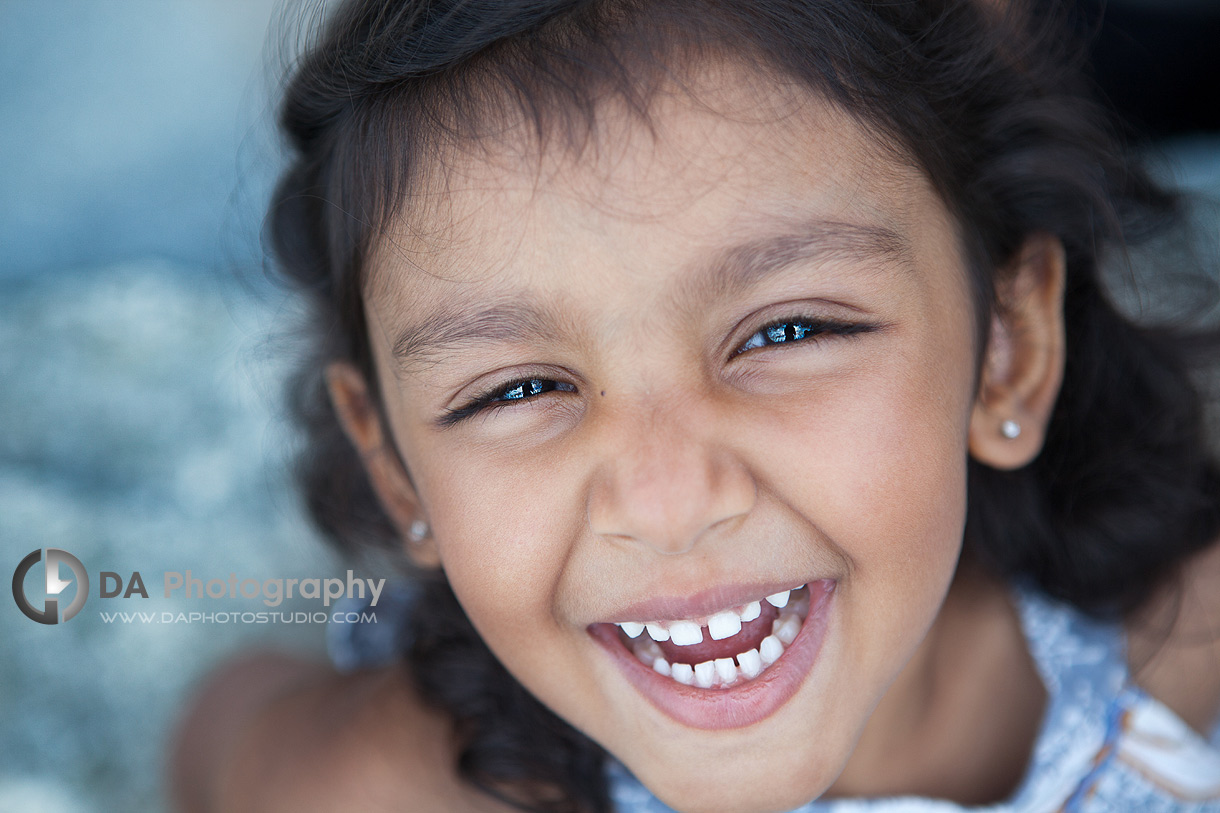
{"x":703,"y":603}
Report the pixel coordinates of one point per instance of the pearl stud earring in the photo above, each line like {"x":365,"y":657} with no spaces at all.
{"x":417,"y":531}
{"x":1010,"y":429}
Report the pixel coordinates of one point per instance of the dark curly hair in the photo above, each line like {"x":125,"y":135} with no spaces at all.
{"x":987,"y":98}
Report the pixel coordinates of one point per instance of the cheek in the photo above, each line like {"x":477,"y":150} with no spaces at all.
{"x":910,"y":467}
{"x":882,"y":478}
{"x":503,"y":535}
{"x":876,"y":463}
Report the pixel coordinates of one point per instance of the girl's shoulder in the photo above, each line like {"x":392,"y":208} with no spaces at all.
{"x":312,"y":739}
{"x":1173,"y":645}
{"x":1107,"y":742}
{"x":357,"y":741}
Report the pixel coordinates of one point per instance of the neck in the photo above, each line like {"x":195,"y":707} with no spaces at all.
{"x":960,"y":720}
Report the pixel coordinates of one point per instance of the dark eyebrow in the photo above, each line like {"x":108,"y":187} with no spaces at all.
{"x":522,"y":318}
{"x":738,"y":268}
{"x":512,"y":318}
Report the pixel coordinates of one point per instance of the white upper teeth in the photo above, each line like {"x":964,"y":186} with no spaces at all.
{"x":722,"y":625}
{"x":780,"y":599}
{"x":686,"y":633}
{"x":632,"y":629}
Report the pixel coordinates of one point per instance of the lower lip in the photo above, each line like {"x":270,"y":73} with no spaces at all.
{"x":737,"y":706}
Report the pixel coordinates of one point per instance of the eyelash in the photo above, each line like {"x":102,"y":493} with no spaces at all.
{"x":794,"y":330}
{"x":498,"y":397}
{"x":814,"y":330}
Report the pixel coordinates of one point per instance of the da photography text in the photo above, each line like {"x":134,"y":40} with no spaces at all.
{"x":173,"y":583}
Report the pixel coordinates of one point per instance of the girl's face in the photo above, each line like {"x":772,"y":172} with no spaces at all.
{"x":693,"y":366}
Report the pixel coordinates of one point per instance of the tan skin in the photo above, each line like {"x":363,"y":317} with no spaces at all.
{"x":924,"y":686}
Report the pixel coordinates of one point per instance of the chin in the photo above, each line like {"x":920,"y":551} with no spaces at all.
{"x":770,"y":790}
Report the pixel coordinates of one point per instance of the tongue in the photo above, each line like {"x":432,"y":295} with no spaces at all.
{"x":751,"y":635}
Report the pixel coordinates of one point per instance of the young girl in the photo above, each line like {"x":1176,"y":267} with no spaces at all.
{"x":740,"y":382}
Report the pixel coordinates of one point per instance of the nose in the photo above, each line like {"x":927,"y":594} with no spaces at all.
{"x":665,"y":480}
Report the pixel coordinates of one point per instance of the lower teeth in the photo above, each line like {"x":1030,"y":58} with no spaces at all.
{"x":725,"y":672}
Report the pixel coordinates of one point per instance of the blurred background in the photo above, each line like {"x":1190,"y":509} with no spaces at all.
{"x":141,"y":362}
{"x":142,"y":350}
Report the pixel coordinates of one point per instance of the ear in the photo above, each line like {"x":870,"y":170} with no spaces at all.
{"x":361,"y":422}
{"x":1023,"y":366}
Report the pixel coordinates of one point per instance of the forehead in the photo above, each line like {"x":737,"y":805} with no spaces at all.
{"x":723,"y":158}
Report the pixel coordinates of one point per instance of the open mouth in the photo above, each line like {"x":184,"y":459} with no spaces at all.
{"x":727,"y":669}
{"x":730,"y":647}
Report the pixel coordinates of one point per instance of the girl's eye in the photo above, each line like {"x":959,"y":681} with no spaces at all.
{"x":784,"y":331}
{"x":505,"y":395}
{"x":787,"y":331}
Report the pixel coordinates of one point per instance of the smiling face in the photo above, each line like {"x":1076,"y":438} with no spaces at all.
{"x":686,"y":368}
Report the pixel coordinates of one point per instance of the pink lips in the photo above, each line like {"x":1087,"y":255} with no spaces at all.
{"x":737,"y":706}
